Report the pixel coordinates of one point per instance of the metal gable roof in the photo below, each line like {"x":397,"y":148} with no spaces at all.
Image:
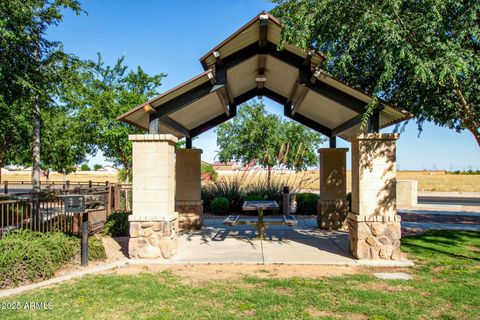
{"x":248,"y":64}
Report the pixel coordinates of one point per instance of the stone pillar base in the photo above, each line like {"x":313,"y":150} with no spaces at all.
{"x":332,"y":214}
{"x":190,"y":214}
{"x":376,"y":237}
{"x":152,"y":237}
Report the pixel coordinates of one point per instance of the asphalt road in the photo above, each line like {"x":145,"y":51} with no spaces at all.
{"x":464,"y":201}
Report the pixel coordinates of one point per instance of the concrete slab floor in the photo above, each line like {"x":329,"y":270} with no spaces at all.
{"x":393,"y":276}
{"x":304,"y":244}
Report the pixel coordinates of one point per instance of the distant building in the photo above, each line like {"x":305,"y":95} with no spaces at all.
{"x":225,"y":166}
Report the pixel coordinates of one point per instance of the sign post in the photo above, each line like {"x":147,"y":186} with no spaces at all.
{"x":76,"y":204}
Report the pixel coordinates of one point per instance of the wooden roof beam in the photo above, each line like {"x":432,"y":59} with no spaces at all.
{"x":357,"y":120}
{"x":301,"y":96}
{"x":175,"y":126}
{"x":309,"y":123}
{"x":347,"y":125}
{"x":209,"y":125}
{"x":315,"y":75}
{"x":220,"y":95}
{"x":263,"y":37}
{"x":218,"y":59}
{"x":308,"y":58}
{"x":185,"y":99}
{"x":261,"y":79}
{"x":338,"y":96}
{"x":292,"y":93}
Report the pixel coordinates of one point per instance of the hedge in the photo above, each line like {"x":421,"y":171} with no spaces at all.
{"x":27,"y":256}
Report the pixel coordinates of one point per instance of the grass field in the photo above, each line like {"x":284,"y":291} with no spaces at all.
{"x":445,"y":286}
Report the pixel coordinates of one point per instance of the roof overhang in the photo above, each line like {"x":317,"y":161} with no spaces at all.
{"x":249,"y":64}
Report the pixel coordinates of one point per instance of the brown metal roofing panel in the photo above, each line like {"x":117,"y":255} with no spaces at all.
{"x":348,"y":134}
{"x":345,"y":88}
{"x":281,"y":77}
{"x":232,"y":36}
{"x":274,"y":36}
{"x":199,"y":112}
{"x":242,"y":40}
{"x":241,"y":77}
{"x":168,"y":95}
{"x":324,"y":111}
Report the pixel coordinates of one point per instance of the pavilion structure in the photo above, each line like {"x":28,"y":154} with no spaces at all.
{"x":249,"y":64}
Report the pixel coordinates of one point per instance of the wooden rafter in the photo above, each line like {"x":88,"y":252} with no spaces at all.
{"x":347,"y":125}
{"x":301,"y":96}
{"x":184,"y":99}
{"x":175,"y":126}
{"x":220,"y":95}
{"x":262,"y":41}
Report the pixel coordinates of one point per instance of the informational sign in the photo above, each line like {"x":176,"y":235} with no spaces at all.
{"x":74,"y":203}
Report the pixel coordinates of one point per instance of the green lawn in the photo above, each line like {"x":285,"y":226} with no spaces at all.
{"x":446,"y":285}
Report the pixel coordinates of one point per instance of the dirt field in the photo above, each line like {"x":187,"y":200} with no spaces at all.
{"x":427,"y":180}
{"x":80,"y":176}
{"x":308,"y":180}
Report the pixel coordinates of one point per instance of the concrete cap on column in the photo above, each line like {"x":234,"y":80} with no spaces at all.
{"x":153,"y":137}
{"x":376,"y":136}
{"x":192,"y":150}
{"x":322,"y":150}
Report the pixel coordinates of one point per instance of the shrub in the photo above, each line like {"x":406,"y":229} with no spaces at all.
{"x":228,"y":188}
{"x":207,"y":169}
{"x":265,"y":191}
{"x":253,"y":197}
{"x":84,"y":167}
{"x":220,"y":205}
{"x":306,"y":203}
{"x":117,"y":224}
{"x":96,"y":250}
{"x":27,"y":256}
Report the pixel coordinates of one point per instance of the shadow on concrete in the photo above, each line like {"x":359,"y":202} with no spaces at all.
{"x":303,"y":243}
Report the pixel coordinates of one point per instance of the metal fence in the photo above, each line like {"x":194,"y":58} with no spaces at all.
{"x":45,"y":211}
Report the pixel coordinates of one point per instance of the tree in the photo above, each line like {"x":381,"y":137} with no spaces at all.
{"x":104,"y":93}
{"x":255,"y":135}
{"x":97,"y":167}
{"x":423,"y":56}
{"x":29,"y":65}
{"x":84,"y":167}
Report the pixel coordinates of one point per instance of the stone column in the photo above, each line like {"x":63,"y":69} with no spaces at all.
{"x":152,"y":224}
{"x":374,"y":225}
{"x":332,"y":207}
{"x":188,"y":199}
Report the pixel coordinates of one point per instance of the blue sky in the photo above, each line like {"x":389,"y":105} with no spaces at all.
{"x":170,"y":37}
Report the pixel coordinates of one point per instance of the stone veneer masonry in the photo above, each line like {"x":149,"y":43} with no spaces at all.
{"x":153,"y":221}
{"x":374,"y":225}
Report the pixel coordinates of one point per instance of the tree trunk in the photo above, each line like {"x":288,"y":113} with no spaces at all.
{"x":469,"y":120}
{"x":36,"y":145}
{"x":269,"y":176}
{"x":476,"y":134}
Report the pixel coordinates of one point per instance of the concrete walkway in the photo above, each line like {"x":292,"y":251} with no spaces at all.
{"x":441,"y":226}
{"x":439,"y":211}
{"x":304,"y":244}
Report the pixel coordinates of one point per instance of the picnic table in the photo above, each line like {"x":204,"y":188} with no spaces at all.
{"x":260,"y":223}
